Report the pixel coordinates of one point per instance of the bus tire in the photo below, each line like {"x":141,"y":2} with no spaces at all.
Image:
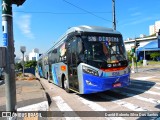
{"x":65,"y":85}
{"x":48,"y":78}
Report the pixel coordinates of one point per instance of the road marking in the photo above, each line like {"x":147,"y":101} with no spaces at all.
{"x":151,"y":100}
{"x":157,"y":87}
{"x":123,"y":103}
{"x":63,"y":106}
{"x":96,"y":107}
{"x":147,"y":86}
{"x":144,"y":78}
{"x":158,"y":83}
{"x":42,"y":106}
{"x":144,"y":91}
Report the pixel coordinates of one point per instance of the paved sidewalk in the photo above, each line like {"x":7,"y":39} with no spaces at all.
{"x":149,"y":72}
{"x":30,"y":97}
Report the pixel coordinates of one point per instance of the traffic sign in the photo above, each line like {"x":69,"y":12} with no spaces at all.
{"x":5,"y":39}
{"x":6,"y":7}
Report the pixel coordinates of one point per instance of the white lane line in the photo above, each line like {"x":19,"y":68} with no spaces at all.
{"x":150,"y":100}
{"x":42,"y":106}
{"x":147,"y":86}
{"x":158,"y":83}
{"x":123,"y":103}
{"x":144,"y":91}
{"x":96,"y":107}
{"x":64,"y":107}
{"x":157,"y":87}
{"x":144,"y":78}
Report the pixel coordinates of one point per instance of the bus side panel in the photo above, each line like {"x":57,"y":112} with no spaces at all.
{"x":46,"y":70}
{"x":40,"y":72}
{"x":94,"y":84}
{"x":54,"y":73}
{"x":58,"y":70}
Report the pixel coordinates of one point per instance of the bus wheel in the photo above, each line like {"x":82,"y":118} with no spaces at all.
{"x":48,"y":78}
{"x":65,"y":85}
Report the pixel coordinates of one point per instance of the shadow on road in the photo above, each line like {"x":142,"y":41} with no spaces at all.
{"x":135,"y":88}
{"x":1,"y":82}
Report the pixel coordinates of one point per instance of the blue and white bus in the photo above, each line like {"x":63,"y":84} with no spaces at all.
{"x":87,"y":59}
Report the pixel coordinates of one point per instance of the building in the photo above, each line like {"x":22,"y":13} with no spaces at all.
{"x":151,"y":29}
{"x":146,"y":45}
{"x":34,"y":55}
{"x":154,"y":28}
{"x":26,"y":58}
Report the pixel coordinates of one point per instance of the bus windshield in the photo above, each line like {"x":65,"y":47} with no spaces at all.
{"x":104,"y":49}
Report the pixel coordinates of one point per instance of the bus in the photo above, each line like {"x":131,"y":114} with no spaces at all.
{"x":87,"y":59}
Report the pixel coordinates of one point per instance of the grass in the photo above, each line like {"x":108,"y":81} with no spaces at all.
{"x":149,"y":63}
{"x":153,"y":62}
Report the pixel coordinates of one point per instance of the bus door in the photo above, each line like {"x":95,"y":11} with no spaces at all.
{"x":72,"y":64}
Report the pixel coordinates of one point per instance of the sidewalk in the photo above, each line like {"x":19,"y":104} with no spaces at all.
{"x":30,"y":96}
{"x":150,"y":72}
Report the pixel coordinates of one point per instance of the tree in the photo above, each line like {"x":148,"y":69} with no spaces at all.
{"x":130,"y":56}
{"x":18,"y":66}
{"x":155,"y":55}
{"x":30,"y":64}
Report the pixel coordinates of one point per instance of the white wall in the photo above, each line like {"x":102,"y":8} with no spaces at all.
{"x":33,"y":56}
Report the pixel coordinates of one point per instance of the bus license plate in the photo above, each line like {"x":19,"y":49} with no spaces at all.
{"x":117,"y":85}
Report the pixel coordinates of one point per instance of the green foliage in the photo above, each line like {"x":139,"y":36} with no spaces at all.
{"x":154,"y":55}
{"x":130,"y":56}
{"x":30,"y":64}
{"x":18,"y":66}
{"x":140,"y":61}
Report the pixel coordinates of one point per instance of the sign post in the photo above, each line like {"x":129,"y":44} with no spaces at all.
{"x":158,"y":38}
{"x":8,"y":43}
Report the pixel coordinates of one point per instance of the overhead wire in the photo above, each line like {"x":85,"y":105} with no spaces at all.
{"x":41,"y":12}
{"x":86,"y":11}
{"x":57,"y":13}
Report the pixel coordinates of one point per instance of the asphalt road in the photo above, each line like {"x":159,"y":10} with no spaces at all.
{"x":142,"y":95}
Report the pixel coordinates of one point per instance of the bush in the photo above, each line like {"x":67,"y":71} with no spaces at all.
{"x":155,"y":55}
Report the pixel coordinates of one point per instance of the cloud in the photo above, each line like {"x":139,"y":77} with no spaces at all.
{"x":139,"y":20}
{"x":136,"y":14}
{"x":24,"y":23}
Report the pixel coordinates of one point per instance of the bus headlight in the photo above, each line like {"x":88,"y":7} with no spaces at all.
{"x":89,"y":70}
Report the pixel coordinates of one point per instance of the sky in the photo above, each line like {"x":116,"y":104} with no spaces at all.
{"x":39,"y":23}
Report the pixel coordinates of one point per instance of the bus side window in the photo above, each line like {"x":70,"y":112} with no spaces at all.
{"x":80,"y":47}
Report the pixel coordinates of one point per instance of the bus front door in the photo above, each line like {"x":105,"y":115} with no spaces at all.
{"x":72,"y":65}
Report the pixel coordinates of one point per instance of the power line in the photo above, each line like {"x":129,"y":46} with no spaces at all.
{"x":41,"y":12}
{"x":56,"y":13}
{"x":86,"y":11}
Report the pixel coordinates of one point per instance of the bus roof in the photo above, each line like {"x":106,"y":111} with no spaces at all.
{"x":85,"y":28}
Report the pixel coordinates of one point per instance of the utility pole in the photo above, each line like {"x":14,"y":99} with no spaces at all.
{"x":114,"y":14}
{"x":8,"y":43}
